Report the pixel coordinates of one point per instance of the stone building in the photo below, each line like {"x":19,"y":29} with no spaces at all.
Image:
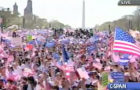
{"x":28,"y":15}
{"x":15,"y":9}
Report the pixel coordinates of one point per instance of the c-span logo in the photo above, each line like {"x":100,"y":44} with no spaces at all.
{"x":117,"y":86}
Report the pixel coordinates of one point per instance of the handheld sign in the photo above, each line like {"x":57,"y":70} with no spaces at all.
{"x":117,"y":76}
{"x":29,"y":38}
{"x":16,"y":42}
{"x":82,"y":73}
{"x":124,"y":61}
{"x":104,"y":80}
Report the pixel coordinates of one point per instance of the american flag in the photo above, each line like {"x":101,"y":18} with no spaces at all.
{"x":125,"y":43}
{"x":65,"y":67}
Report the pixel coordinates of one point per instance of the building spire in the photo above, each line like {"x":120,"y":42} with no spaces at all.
{"x":15,"y":8}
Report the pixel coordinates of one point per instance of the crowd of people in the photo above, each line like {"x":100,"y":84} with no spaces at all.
{"x":50,"y":60}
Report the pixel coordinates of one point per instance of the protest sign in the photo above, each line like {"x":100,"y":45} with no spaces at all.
{"x":124,"y":61}
{"x":117,"y":76}
{"x":97,"y":65}
{"x":82,"y":73}
{"x":29,"y":47}
{"x":50,"y":44}
{"x":29,"y":38}
{"x":104,"y":80}
{"x":16,"y":41}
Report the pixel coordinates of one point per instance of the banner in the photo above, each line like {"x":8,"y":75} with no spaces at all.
{"x":18,"y":48}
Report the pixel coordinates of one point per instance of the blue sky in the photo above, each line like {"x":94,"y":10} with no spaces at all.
{"x":70,"y":11}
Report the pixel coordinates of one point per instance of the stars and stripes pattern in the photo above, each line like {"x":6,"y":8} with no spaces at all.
{"x":125,"y":43}
{"x":66,"y":66}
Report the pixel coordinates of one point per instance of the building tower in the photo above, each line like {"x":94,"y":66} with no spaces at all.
{"x":28,"y":15}
{"x":15,"y":9}
{"x":28,"y":10}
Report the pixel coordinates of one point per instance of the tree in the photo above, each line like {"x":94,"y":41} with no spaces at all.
{"x":10,"y":19}
{"x":137,"y":18}
{"x":56,"y":24}
{"x":126,"y":22}
{"x":40,"y":23}
{"x":37,"y":22}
